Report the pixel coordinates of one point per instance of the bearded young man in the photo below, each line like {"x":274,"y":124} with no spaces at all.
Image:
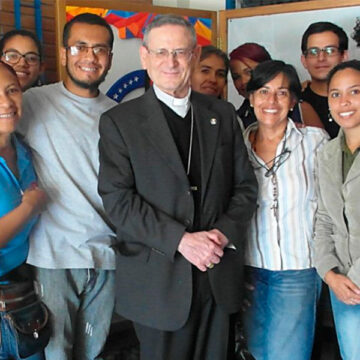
{"x":70,"y":246}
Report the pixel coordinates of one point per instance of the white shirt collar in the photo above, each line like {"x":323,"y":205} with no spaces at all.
{"x":293,"y":134}
{"x":179,"y":105}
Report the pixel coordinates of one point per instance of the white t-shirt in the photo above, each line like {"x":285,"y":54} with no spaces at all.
{"x":62,"y":131}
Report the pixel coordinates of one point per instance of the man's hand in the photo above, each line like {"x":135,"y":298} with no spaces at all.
{"x":201,"y":248}
{"x":344,"y":289}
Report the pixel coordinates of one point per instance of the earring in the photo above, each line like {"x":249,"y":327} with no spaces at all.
{"x":291,"y":109}
{"x":329,"y":116}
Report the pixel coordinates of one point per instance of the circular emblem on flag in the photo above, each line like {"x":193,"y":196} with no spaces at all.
{"x":126,"y":84}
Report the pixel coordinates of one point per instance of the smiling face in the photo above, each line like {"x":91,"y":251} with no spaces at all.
{"x":209,"y":76}
{"x":344,"y":98}
{"x":319,"y":66}
{"x":170,"y":73}
{"x":241,"y":73}
{"x":272,"y":101}
{"x":85,"y":70}
{"x":27,"y":73}
{"x":10,"y":102}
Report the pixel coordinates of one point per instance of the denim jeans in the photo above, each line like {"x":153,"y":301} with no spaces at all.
{"x":81,"y":303}
{"x":8,"y":345}
{"x":280,"y":323}
{"x":347,"y":324}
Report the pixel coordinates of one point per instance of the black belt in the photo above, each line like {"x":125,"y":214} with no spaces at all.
{"x":16,"y":295}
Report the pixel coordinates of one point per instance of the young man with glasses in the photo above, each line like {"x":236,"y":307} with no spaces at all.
{"x":176,"y":182}
{"x":70,"y":247}
{"x":21,"y":49}
{"x":323,"y":46}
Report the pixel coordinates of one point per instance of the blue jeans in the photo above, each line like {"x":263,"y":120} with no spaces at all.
{"x":8,"y":342}
{"x":81,"y":303}
{"x":347,"y":324}
{"x":280,"y":323}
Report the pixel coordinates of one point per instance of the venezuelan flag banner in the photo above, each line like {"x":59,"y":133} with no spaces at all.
{"x":132,"y":24}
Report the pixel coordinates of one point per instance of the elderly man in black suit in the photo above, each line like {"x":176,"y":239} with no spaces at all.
{"x":177,"y":184}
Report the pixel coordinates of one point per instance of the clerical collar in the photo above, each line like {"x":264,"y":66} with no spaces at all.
{"x":180,"y":106}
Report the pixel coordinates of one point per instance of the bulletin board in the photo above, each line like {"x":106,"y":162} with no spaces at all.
{"x":126,"y":79}
{"x":279,"y":28}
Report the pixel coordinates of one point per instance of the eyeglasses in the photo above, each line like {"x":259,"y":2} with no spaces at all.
{"x":13,"y":57}
{"x":179,"y":54}
{"x":97,"y":50}
{"x":327,"y":51}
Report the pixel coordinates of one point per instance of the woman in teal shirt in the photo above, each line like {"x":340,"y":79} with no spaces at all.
{"x":20,"y":203}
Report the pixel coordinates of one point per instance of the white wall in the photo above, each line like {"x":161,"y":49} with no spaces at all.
{"x":281,"y":35}
{"x":212,"y":5}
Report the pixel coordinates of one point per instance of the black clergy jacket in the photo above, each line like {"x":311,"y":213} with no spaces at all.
{"x":146,"y":194}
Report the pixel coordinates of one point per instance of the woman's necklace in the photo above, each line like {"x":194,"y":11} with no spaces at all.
{"x":276,"y":161}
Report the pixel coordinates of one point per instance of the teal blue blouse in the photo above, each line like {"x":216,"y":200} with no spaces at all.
{"x":11,"y":189}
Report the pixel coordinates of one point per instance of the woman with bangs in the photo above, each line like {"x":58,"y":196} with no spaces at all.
{"x":243,"y":60}
{"x":280,"y":321}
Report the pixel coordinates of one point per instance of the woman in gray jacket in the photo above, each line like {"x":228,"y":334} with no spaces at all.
{"x":337,"y":227}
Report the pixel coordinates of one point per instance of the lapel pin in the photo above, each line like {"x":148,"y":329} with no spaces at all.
{"x":213,"y":121}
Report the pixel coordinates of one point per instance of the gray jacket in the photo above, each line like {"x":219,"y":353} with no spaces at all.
{"x":337,"y":226}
